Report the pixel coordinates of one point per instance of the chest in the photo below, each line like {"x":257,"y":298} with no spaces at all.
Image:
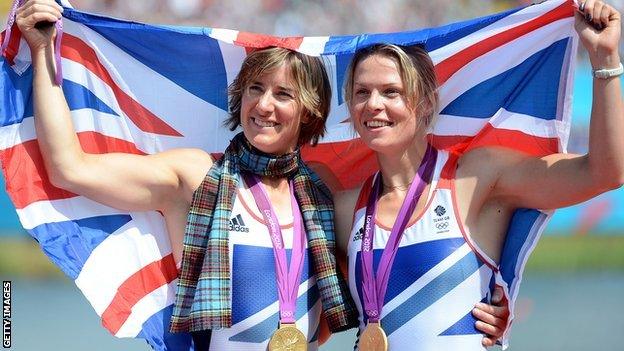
{"x":255,"y":306}
{"x":436,"y":222}
{"x":389,"y":205}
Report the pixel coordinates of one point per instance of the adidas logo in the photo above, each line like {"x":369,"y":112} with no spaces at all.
{"x":237,"y":224}
{"x":358,"y":236}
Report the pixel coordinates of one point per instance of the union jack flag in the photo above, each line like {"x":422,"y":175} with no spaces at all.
{"x":505,"y":79}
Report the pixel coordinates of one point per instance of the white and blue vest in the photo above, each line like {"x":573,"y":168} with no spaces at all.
{"x":437,"y":277}
{"x":255,"y":303}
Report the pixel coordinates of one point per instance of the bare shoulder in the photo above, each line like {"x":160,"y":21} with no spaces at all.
{"x":488,"y":163}
{"x":487,"y":159}
{"x":190,"y":165}
{"x":478,"y":173}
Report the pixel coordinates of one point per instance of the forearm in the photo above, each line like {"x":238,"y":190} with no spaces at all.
{"x":606,"y":145}
{"x":55,"y":132}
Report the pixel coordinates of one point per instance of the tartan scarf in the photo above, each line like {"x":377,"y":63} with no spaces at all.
{"x":203,"y":294}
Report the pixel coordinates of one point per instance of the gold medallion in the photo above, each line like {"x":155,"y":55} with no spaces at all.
{"x":373,"y":338}
{"x":288,"y":338}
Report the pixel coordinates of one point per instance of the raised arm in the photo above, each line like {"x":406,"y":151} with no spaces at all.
{"x":124,"y":181}
{"x":565,"y":179}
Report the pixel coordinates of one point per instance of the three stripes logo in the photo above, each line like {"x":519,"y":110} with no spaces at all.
{"x":358,"y":236}
{"x":237,"y":224}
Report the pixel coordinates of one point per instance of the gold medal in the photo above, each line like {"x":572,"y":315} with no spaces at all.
{"x":288,"y":338}
{"x":373,"y":338}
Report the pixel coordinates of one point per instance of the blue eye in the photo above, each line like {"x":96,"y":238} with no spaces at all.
{"x":284,"y":95}
{"x":392,"y":92}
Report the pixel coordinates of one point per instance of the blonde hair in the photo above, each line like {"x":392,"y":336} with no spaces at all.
{"x":417,"y":74}
{"x":313,"y":90}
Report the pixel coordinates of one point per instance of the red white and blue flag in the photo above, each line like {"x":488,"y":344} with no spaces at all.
{"x":506,"y":79}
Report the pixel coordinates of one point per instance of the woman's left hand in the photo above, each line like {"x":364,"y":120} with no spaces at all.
{"x":598,"y":25}
{"x":492,"y":318}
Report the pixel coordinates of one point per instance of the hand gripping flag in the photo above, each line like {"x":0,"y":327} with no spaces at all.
{"x":505,"y":79}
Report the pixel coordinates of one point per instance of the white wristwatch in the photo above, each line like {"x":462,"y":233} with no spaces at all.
{"x":607,"y":73}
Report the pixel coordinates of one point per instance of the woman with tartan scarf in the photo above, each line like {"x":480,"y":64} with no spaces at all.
{"x":281,"y":100}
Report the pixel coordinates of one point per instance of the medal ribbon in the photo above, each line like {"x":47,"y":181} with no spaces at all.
{"x":374,"y":285}
{"x":288,"y":276}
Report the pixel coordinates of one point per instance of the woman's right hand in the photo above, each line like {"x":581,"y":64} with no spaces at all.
{"x":38,"y":11}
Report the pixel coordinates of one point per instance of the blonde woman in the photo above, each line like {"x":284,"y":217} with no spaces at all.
{"x":414,"y":283}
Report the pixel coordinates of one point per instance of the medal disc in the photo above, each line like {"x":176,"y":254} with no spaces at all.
{"x":373,"y":338}
{"x":288,"y":338}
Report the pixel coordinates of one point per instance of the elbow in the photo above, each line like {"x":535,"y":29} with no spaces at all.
{"x":618,"y":181}
{"x":611,"y":181}
{"x":606,"y":175}
{"x":60,"y":178}
{"x":65,"y":172}
{"x":615,"y":179}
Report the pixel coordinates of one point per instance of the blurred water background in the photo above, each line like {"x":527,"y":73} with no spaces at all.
{"x":571,"y":297}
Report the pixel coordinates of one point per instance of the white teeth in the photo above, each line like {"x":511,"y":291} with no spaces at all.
{"x":373,"y":124}
{"x":264,"y":123}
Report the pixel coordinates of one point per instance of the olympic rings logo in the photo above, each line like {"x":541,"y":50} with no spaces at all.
{"x":442,"y":225}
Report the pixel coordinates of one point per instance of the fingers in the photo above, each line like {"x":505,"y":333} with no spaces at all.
{"x":488,"y":341}
{"x":489,"y":315}
{"x":43,"y":2}
{"x":37,"y":11}
{"x":497,"y":297}
{"x":489,"y":329}
{"x":37,"y":17}
{"x":492,"y":320}
{"x":30,"y":9}
{"x":597,"y":13}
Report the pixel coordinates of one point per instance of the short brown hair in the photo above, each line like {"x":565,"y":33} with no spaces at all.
{"x":313,"y":90}
{"x":417,"y":73}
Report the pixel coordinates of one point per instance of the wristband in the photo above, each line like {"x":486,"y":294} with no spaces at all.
{"x":607,"y":73}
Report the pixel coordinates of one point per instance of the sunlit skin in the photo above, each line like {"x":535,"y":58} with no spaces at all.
{"x":380,"y":112}
{"x":270,"y":112}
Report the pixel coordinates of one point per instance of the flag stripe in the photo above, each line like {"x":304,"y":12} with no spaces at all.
{"x":448,"y":67}
{"x":81,"y":235}
{"x":136,"y":287}
{"x":78,"y":51}
{"x":516,"y":52}
{"x":132,"y":246}
{"x":145,"y":308}
{"x":194,"y":48}
{"x":533,"y":97}
{"x":41,"y":212}
{"x":491,"y":136}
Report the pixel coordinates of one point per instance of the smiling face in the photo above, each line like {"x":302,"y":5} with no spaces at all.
{"x":379,"y":109}
{"x":271,"y":113}
{"x":279,"y":95}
